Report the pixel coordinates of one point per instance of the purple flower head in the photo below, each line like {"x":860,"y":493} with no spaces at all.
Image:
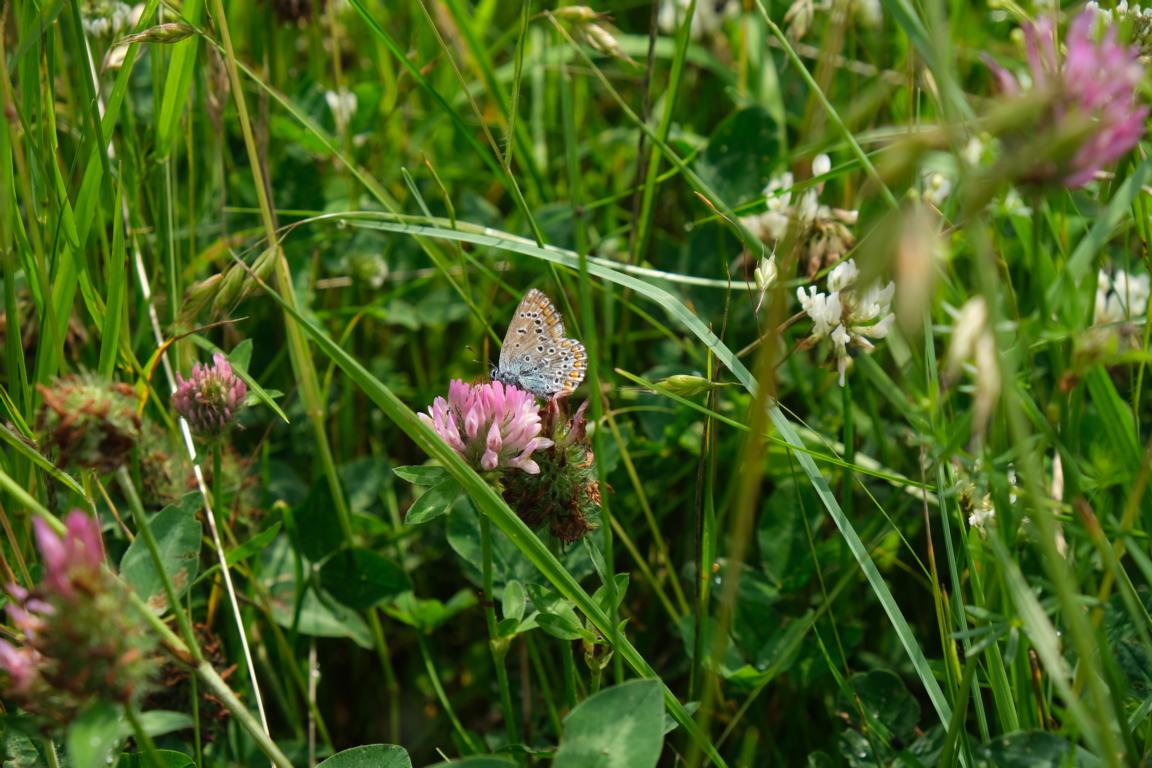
{"x":1092,"y":89}
{"x":490,"y":425}
{"x":73,"y":559}
{"x":210,"y":399}
{"x":77,"y":643}
{"x":21,"y":665}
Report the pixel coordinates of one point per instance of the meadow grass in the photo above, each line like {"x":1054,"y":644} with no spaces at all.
{"x":923,"y":544}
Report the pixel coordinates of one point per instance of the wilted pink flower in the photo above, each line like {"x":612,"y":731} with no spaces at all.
{"x":73,"y":559}
{"x":78,"y":642}
{"x":89,"y":421}
{"x":22,"y":665}
{"x":210,"y":399}
{"x":490,"y":425}
{"x":1096,"y":84}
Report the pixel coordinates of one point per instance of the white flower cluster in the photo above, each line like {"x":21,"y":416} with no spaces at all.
{"x":983,"y":514}
{"x":707,"y":19}
{"x":848,"y":313}
{"x":800,"y":15}
{"x":1121,"y":297}
{"x":108,"y":19}
{"x":343,"y":106}
{"x":972,"y":341}
{"x":1140,"y":18}
{"x":773,"y":223}
{"x":822,"y":231}
{"x":937,"y":188}
{"x":1122,"y":11}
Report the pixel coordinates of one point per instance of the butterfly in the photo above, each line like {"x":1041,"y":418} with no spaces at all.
{"x":535,"y":356}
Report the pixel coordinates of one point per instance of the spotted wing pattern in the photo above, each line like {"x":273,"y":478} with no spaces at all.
{"x":536,"y":357}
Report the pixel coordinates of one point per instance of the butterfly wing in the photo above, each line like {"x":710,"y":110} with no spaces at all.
{"x":536,"y":356}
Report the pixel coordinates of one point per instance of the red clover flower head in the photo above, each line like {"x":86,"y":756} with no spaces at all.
{"x":79,"y":643}
{"x":1096,"y":83}
{"x":210,"y":399}
{"x":492,"y":425}
{"x":72,"y":561}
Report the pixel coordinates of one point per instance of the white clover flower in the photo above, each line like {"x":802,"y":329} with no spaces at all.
{"x":343,"y":106}
{"x":843,"y":275}
{"x":822,"y":231}
{"x":824,"y":309}
{"x":937,"y":188}
{"x":869,"y":12}
{"x":983,"y":515}
{"x":1121,"y":297}
{"x":974,"y":150}
{"x":108,"y":19}
{"x":847,"y":314}
{"x":765,"y":273}
{"x":707,"y":19}
{"x":765,"y":276}
{"x":1014,"y":205}
{"x":972,"y":340}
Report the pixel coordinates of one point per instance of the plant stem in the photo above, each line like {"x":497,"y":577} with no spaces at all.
{"x":144,"y":531}
{"x":445,"y":702}
{"x":497,"y":644}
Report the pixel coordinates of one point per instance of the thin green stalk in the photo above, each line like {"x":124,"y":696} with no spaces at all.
{"x":662,"y":556}
{"x":642,"y":232}
{"x":218,"y":688}
{"x":705,"y":538}
{"x":302,"y":363}
{"x":49,"y":751}
{"x":497,"y":645}
{"x":748,"y":482}
{"x":445,"y":701}
{"x":568,"y":665}
{"x":143,"y":740}
{"x":144,"y":531}
{"x":545,"y":681}
{"x":592,"y":344}
{"x":218,"y":476}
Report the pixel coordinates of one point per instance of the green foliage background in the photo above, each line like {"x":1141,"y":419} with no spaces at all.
{"x":796,"y":558}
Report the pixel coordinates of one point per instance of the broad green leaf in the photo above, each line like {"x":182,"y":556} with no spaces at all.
{"x":364,"y":481}
{"x":426,"y":474}
{"x":177,"y":533}
{"x":20,"y":746}
{"x":881,"y":704}
{"x":620,"y":727}
{"x":508,"y":562}
{"x":434,"y":502}
{"x":428,"y":614}
{"x":362,"y":579}
{"x":157,"y":722}
{"x":1033,"y":749}
{"x":167,"y":759}
{"x":477,"y":761}
{"x":742,"y":156}
{"x":370,"y":756}
{"x":513,"y":600}
{"x":253,"y":545}
{"x":93,"y":737}
{"x":564,"y":626}
{"x":318,"y":529}
{"x":782,"y":536}
{"x":311,"y":614}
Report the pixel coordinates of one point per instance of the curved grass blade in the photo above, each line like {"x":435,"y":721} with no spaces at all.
{"x":694,"y":325}
{"x":491,"y":504}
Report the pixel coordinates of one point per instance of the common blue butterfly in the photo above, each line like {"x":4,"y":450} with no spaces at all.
{"x":536,"y":357}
